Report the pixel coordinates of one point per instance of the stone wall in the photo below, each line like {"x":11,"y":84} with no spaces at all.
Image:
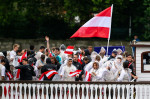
{"x":6,"y":44}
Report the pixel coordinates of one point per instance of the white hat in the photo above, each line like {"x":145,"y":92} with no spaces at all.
{"x":1,"y":54}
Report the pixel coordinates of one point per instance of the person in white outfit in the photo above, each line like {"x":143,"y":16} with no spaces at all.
{"x":125,"y":75}
{"x":69,"y":67}
{"x":97,"y":73}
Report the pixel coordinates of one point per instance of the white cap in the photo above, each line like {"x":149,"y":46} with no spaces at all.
{"x":1,"y":54}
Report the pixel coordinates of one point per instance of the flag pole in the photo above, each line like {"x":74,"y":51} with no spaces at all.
{"x":110,"y":30}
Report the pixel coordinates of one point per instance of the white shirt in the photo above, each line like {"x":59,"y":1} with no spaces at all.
{"x":2,"y":71}
{"x":65,"y":72}
{"x":99,"y":74}
{"x":15,"y":61}
{"x":12,"y":54}
{"x":38,"y":55}
{"x":89,"y":66}
{"x":125,"y":75}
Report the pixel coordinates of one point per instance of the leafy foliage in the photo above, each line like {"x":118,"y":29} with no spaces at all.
{"x":56,"y":18}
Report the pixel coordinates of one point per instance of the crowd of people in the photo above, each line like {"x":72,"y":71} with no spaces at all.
{"x":31,"y":65}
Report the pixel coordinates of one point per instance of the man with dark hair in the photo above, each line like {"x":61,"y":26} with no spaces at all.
{"x":78,"y":66}
{"x":39,"y":64}
{"x":88,"y":51}
{"x":27,"y":71}
{"x":57,"y":52}
{"x":130,"y":60}
{"x":6,"y":60}
{"x":32,"y":49}
{"x":48,"y":67}
{"x":40,"y":52}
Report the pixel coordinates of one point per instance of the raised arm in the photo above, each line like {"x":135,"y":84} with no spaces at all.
{"x":47,"y":39}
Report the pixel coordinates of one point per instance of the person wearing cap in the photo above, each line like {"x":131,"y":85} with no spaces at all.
{"x":113,"y":55}
{"x":2,"y":69}
{"x":69,"y":67}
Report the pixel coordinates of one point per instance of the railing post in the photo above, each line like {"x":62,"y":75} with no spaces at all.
{"x":56,"y":88}
{"x":25,"y":95}
{"x":140,"y":92}
{"x":20,"y":91}
{"x":82,"y":86}
{"x":12,"y":95}
{"x":29,"y":94}
{"x":100,"y":90}
{"x":16,"y":94}
{"x":65,"y":87}
{"x":69,"y":91}
{"x":128,"y":91}
{"x":145,"y":87}
{"x":91,"y":90}
{"x":38,"y":89}
{"x":74,"y":93}
{"x":105,"y":86}
{"x":114,"y":91}
{"x":78,"y":90}
{"x":132,"y":91}
{"x":7,"y":91}
{"x":109,"y":90}
{"x":33,"y":86}
{"x":3,"y":94}
{"x":118,"y":90}
{"x":60,"y":88}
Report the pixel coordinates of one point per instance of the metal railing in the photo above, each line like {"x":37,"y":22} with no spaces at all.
{"x":73,"y":90}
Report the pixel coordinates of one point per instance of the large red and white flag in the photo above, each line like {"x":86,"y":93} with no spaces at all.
{"x":42,"y":77}
{"x":50,"y":73}
{"x":72,"y":74}
{"x":69,"y":50}
{"x":87,"y":76}
{"x":98,"y":26}
{"x":22,"y":57}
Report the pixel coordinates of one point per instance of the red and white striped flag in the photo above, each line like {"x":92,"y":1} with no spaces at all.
{"x":69,"y":50}
{"x":87,"y":76}
{"x":48,"y":74}
{"x":42,"y":77}
{"x":22,"y":57}
{"x":18,"y":74}
{"x":80,"y":58}
{"x":9,"y":75}
{"x":98,"y":26}
{"x":72,"y":74}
